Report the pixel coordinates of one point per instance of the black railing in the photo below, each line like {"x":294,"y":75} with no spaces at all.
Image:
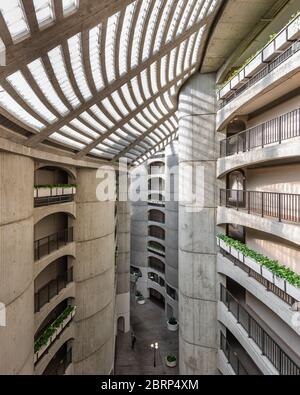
{"x":52,"y":289}
{"x":295,"y":47}
{"x":232,"y":357}
{"x":269,"y":348}
{"x":270,"y":287}
{"x":275,"y":131}
{"x":49,"y":200}
{"x":156,"y":266}
{"x":61,"y":365}
{"x":52,"y":243}
{"x":281,"y":206}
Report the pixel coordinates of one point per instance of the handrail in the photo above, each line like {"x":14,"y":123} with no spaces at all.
{"x":52,"y":289}
{"x":276,"y":130}
{"x":282,"y":206}
{"x":232,"y":357}
{"x":46,"y":245}
{"x":294,"y":48}
{"x":49,"y":200}
{"x":270,"y":349}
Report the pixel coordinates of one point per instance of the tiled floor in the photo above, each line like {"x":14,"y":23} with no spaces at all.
{"x":149,"y":325}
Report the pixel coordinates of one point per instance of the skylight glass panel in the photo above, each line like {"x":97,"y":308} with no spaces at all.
{"x":137,"y":125}
{"x":94,"y":48}
{"x":172,"y":64}
{"x":171,"y":32}
{"x":150,"y":29}
{"x":58,"y":65}
{"x":195,"y":13}
{"x":110,"y":44}
{"x":70,"y":6}
{"x":44,"y":12}
{"x":153,"y":73}
{"x":78,"y":136}
{"x":125,"y":33}
{"x":195,"y":58}
{"x":188,"y":8}
{"x":67,"y":141}
{"x":101,"y":153}
{"x":90,"y":120}
{"x":138,"y":32}
{"x":143,"y":121}
{"x":188,"y":55}
{"x":79,"y":125}
{"x":163,"y":71}
{"x":21,"y":86}
{"x":136,"y":90}
{"x":212,"y":7}
{"x":110,"y":109}
{"x":102,"y":117}
{"x":180,"y":58}
{"x":39,"y":74}
{"x":132,"y":130}
{"x":162,"y":25}
{"x":10,"y":105}
{"x":74,"y":44}
{"x":160,"y":106}
{"x":204,"y":10}
{"x":145,"y":86}
{"x":15,"y":18}
{"x":127,"y":95}
{"x":119,"y":103}
{"x":148,"y":114}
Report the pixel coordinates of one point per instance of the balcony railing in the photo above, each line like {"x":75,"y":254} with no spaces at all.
{"x":294,"y":48}
{"x":275,"y":131}
{"x":52,"y":289}
{"x":51,"y":243}
{"x":50,"y":200}
{"x":269,"y":348}
{"x":232,"y":357}
{"x":270,"y":287}
{"x":281,"y":206}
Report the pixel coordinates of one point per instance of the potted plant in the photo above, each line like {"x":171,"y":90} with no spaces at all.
{"x":171,"y":360}
{"x":141,"y":300}
{"x":138,"y":294}
{"x":173,"y":324}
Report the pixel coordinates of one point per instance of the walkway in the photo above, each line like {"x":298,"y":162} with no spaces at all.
{"x":149,"y":325}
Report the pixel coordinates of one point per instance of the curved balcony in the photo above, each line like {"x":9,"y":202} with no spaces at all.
{"x":51,"y":243}
{"x":156,"y":264}
{"x":274,"y":139}
{"x":156,"y":248}
{"x":47,"y":196}
{"x":157,"y":232}
{"x":269,"y":350}
{"x":156,"y":216}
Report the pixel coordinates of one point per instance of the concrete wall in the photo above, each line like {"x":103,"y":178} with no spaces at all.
{"x":197,"y":250}
{"x":94,"y":276}
{"x":16,"y":263}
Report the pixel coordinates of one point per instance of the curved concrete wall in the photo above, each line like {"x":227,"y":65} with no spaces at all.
{"x":94,"y":276}
{"x":16,"y":263}
{"x":197,"y":251}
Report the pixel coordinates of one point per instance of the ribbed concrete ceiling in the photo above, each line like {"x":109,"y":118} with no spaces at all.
{"x":99,"y":78}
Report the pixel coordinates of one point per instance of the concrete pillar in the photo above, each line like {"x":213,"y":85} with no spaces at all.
{"x":123,"y":264}
{"x":171,"y":221}
{"x":16,"y":264}
{"x":94,"y":274}
{"x":197,"y":246}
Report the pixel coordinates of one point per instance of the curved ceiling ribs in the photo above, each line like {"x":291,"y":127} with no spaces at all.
{"x":108,"y":89}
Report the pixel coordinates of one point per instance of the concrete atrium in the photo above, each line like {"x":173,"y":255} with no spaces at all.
{"x":149,"y":187}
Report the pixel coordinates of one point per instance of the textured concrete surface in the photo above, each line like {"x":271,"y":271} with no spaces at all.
{"x":149,"y":325}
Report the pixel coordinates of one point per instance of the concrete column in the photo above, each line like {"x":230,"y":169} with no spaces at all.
{"x":94,"y":274}
{"x":197,"y":246}
{"x":16,"y":264}
{"x":123,"y":264}
{"x":171,"y":222}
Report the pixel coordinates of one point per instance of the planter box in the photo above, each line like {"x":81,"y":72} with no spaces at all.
{"x":294,"y":29}
{"x":170,"y":364}
{"x":269,"y":52}
{"x":279,"y":282}
{"x":68,"y":191}
{"x":267,"y":274}
{"x":42,"y":192}
{"x":235,"y":253}
{"x":281,"y":41}
{"x":293,"y":291}
{"x":242,"y":76}
{"x":225,"y":91}
{"x":255,"y":65}
{"x":173,"y":328}
{"x":235,"y":82}
{"x":253,"y":264}
{"x":223,"y":245}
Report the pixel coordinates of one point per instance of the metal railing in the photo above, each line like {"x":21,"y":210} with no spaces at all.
{"x":275,"y":131}
{"x":270,"y":287}
{"x":269,"y":348}
{"x":232,"y":357}
{"x":52,"y":289}
{"x":60,"y":368}
{"x":49,"y":200}
{"x":294,"y":48}
{"x":47,"y":245}
{"x":281,"y":206}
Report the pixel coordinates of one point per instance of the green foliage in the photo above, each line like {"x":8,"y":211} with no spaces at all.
{"x":138,"y":294}
{"x":274,"y":266}
{"x":171,"y":358}
{"x":50,"y":331}
{"x":173,"y":321}
{"x":51,"y":186}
